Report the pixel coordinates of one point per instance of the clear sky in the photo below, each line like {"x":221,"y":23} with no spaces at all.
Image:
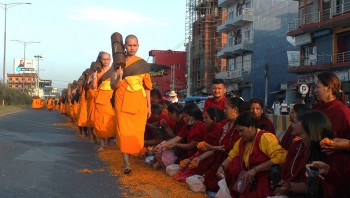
{"x":72,"y":32}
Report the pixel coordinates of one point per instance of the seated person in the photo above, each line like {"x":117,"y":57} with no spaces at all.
{"x":193,"y":132}
{"x":251,"y":159}
{"x":153,"y":136}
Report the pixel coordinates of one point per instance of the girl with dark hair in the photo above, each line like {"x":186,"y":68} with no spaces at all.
{"x":315,"y":126}
{"x":331,"y":102}
{"x":252,"y":156}
{"x":290,"y":134}
{"x":293,"y":169}
{"x":257,"y":107}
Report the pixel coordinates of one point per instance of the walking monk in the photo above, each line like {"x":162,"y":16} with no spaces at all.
{"x":132,"y":101}
{"x":90,"y":98}
{"x":82,"y":111}
{"x":104,"y":127}
{"x":50,"y":103}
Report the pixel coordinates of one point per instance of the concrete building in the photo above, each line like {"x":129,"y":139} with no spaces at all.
{"x":256,"y":48}
{"x":322,"y":33}
{"x":26,"y":81}
{"x":168,"y":71}
{"x":202,"y":43}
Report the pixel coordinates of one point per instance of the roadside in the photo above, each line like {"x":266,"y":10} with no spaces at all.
{"x":4,"y":110}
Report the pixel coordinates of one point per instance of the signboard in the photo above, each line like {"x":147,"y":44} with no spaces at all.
{"x":293,"y":58}
{"x":160,"y":73}
{"x":303,"y":39}
{"x":303,"y":89}
{"x":19,"y":68}
{"x":227,"y":75}
{"x":43,"y":83}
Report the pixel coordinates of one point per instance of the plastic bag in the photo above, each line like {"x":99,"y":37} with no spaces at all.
{"x":223,"y":192}
{"x":241,"y":186}
{"x":168,"y":157}
{"x":195,"y":182}
{"x":172,"y":169}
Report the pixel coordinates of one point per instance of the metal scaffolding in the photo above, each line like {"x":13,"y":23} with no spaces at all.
{"x":202,"y":43}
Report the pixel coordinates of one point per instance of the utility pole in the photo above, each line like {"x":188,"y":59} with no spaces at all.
{"x":188,"y":65}
{"x":172,"y":77}
{"x":37,"y":78}
{"x":267,"y":77}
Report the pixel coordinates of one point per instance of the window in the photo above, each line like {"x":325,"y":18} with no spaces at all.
{"x":10,"y":78}
{"x":247,"y":35}
{"x":177,"y":66}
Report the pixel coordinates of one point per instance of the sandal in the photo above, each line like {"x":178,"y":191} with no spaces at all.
{"x":127,"y":170}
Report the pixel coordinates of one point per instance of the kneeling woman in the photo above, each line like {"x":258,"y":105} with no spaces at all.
{"x":252,"y":156}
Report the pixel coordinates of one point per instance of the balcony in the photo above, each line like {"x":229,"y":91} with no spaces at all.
{"x":322,"y":62}
{"x":221,"y":28}
{"x":236,"y":47}
{"x":225,"y":3}
{"x":315,"y":21}
{"x":246,"y":15}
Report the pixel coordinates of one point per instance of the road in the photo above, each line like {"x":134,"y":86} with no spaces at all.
{"x":39,"y":158}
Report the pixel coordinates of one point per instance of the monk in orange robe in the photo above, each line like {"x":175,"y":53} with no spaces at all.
{"x":132,"y":102}
{"x":50,"y":103}
{"x":90,"y":104}
{"x":82,"y":111}
{"x":104,"y":127}
{"x":56,"y":104}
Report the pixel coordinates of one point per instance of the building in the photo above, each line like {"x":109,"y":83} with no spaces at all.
{"x":168,"y":71}
{"x":202,"y":43}
{"x":255,"y":47}
{"x":26,"y":82}
{"x":322,"y":33}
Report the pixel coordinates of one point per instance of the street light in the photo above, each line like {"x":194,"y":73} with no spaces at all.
{"x":6,"y":6}
{"x":37,"y":85}
{"x":25,"y":43}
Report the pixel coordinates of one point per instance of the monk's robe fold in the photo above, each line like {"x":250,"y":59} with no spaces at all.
{"x":104,"y":114}
{"x":90,"y":97}
{"x":82,"y":115}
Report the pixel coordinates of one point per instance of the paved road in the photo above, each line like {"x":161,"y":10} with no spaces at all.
{"x":39,"y":159}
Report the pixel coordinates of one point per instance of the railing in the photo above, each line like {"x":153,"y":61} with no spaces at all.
{"x":316,"y":17}
{"x":321,"y":59}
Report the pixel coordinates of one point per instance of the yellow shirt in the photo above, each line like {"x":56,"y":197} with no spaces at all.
{"x":268,"y":144}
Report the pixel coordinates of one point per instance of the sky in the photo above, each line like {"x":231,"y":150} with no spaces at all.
{"x":72,"y":32}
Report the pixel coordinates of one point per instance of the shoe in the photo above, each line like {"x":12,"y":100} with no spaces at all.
{"x":127,"y":170}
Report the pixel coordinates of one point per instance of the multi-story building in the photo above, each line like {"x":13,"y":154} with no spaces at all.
{"x":168,"y":71}
{"x":255,"y":47}
{"x":203,"y":17}
{"x":322,"y":33}
{"x":26,"y":81}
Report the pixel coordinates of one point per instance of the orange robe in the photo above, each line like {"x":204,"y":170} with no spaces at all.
{"x":104,"y":114}
{"x":82,"y":115}
{"x":91,"y":96}
{"x":75,"y":110}
{"x":131,"y":111}
{"x":50,"y":104}
{"x":34,"y":103}
{"x":56,"y":107}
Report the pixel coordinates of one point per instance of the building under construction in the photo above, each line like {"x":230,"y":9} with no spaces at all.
{"x":203,"y":42}
{"x":243,"y":42}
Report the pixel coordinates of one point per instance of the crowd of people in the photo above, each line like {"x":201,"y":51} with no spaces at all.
{"x":229,"y":140}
